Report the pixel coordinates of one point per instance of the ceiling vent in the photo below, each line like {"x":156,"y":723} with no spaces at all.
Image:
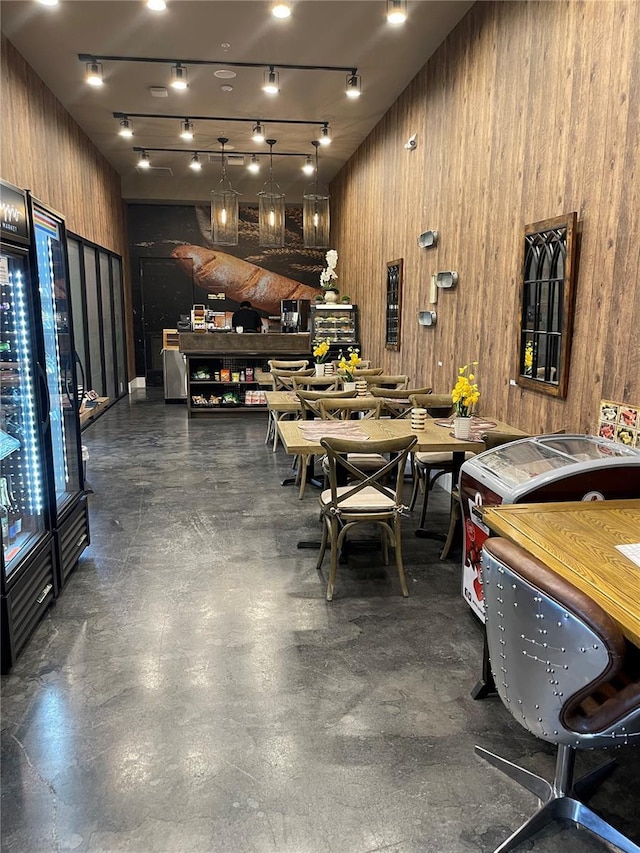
{"x":158,"y":92}
{"x":156,"y":171}
{"x":232,"y":159}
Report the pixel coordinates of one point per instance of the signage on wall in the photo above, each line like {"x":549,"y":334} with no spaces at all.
{"x":14,"y":224}
{"x":619,"y":422}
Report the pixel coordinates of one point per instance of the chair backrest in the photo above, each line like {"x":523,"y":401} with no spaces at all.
{"x":283,"y":379}
{"x":367,"y":371}
{"x":437,"y":405}
{"x":493,"y":439}
{"x":340,"y":460}
{"x":310,"y":401}
{"x":316,"y":383}
{"x":396,"y":403}
{"x":282,"y":364}
{"x":336,"y":409}
{"x":364,"y":365}
{"x":386,"y":380}
{"x":552,"y":650}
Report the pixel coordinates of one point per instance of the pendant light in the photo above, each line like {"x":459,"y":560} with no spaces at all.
{"x":315,"y":212}
{"x":224,"y":208}
{"x":271,"y":208}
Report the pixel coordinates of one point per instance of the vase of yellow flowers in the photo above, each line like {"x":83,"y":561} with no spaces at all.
{"x":346,"y":366}
{"x":465,"y":395}
{"x":320,"y":353}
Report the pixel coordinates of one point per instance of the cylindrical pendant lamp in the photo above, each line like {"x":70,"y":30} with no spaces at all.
{"x":271,"y":209}
{"x":224,"y":209}
{"x":315,"y":212}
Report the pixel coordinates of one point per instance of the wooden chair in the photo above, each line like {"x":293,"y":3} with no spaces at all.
{"x":309,"y":403}
{"x":368,"y":498}
{"x":564,"y":672}
{"x":364,"y":372}
{"x":397,"y":403}
{"x":283,"y":364}
{"x":282,"y":380}
{"x":336,"y":409}
{"x":385,"y":380}
{"x":316,"y":383}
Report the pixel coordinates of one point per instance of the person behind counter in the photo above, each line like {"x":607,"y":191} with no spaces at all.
{"x":247,"y":318}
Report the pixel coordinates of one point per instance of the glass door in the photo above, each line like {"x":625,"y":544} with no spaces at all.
{"x":22,"y":477}
{"x":53,"y":279}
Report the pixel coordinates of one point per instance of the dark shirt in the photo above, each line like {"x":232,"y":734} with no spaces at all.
{"x":248,"y":318}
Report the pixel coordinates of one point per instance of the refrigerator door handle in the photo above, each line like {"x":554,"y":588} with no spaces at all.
{"x":45,"y":397}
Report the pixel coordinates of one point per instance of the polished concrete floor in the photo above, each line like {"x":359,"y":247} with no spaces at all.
{"x":193,"y":691}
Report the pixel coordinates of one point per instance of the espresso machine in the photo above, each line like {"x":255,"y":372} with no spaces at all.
{"x":294,"y":315}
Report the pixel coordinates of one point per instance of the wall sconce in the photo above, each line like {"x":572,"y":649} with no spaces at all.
{"x":447,"y":280}
{"x":428,"y":239}
{"x":427,"y":318}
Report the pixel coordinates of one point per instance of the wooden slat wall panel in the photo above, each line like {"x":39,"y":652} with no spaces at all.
{"x":527,"y":111}
{"x":43,"y":150}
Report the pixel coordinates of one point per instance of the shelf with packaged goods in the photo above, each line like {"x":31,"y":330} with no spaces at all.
{"x":226,"y":371}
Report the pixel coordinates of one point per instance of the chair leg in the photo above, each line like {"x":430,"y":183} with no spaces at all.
{"x":399,"y":563}
{"x":303,"y":476}
{"x":267,"y":437}
{"x":583,"y":816}
{"x":416,"y":480}
{"x":535,"y":823}
{"x":275,"y":433}
{"x":542,"y":789}
{"x":323,"y":543}
{"x":334,"y":558}
{"x":454,"y":518}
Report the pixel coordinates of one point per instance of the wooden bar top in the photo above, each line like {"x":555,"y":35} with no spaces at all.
{"x":231,"y":343}
{"x":577,"y":540}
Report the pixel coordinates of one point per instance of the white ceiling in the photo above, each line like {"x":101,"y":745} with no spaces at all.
{"x":349,"y":33}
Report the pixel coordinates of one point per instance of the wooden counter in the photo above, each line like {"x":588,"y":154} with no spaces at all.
{"x":273,"y":345}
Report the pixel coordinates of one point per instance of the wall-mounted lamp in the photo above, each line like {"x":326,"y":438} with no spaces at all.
{"x":94,"y":74}
{"x":447,"y":280}
{"x":179,"y":76}
{"x":428,"y":239}
{"x":427,"y":318}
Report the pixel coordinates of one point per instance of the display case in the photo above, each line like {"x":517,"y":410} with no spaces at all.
{"x":338,"y":323}
{"x":227,"y":372}
{"x":538,"y":470}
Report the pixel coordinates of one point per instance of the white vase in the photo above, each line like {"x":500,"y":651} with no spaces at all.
{"x":319,"y":369}
{"x":462,"y":427}
{"x":331,"y":297}
{"x":348,"y":386}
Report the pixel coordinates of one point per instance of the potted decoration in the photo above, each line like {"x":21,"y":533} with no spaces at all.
{"x":345,"y":300}
{"x":321,"y":353}
{"x":465,"y":395}
{"x":328,"y":277}
{"x":346,"y":366}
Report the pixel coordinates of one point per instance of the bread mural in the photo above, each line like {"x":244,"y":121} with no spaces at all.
{"x":216,"y":271}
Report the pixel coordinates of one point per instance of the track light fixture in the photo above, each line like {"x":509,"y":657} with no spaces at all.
{"x":186,"y":130}
{"x":125,"y":128}
{"x":257,"y":133}
{"x":271,"y":208}
{"x":325,"y":135}
{"x":271,"y":82}
{"x":94,"y":73}
{"x":179,"y":76}
{"x":396,"y":11}
{"x":315,"y":211}
{"x":48,"y":2}
{"x":195,"y":163}
{"x":354,"y":85}
{"x":143,"y":160}
{"x":254,"y":165}
{"x":156,"y":5}
{"x":281,"y":9}
{"x":308,"y":167}
{"x":224,"y":207}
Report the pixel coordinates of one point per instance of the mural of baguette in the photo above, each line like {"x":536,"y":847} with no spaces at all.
{"x":217,"y":271}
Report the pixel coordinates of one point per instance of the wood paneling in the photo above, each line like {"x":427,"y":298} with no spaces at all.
{"x":43,"y":150}
{"x":527,"y":111}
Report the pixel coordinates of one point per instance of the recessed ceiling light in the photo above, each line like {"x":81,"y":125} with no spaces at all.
{"x":156,"y":5}
{"x":281,"y":10}
{"x":224,"y":74}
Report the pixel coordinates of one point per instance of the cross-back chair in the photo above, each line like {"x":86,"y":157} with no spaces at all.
{"x":337,"y":409}
{"x":373,"y":497}
{"x":284,"y":364}
{"x":396,"y":403}
{"x":364,"y":372}
{"x":282,"y":380}
{"x":330,"y":382}
{"x":563,"y":669}
{"x":387,"y":380}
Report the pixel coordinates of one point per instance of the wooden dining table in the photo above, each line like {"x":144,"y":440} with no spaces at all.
{"x":578,"y":539}
{"x":433,"y":439}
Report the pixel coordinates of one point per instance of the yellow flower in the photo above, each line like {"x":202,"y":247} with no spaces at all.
{"x":347,"y":366}
{"x":320,"y":349}
{"x":465,"y":393}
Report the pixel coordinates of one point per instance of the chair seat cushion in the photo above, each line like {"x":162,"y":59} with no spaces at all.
{"x":366,"y":500}
{"x":438,"y":458}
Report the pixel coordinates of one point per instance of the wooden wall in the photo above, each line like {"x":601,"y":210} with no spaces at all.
{"x":43,"y":150}
{"x":527,"y":111}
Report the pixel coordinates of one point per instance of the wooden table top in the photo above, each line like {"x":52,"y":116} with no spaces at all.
{"x":433,"y":438}
{"x":282,"y":401}
{"x":577,"y":540}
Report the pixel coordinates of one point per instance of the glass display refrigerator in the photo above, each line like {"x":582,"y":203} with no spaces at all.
{"x":67,"y":498}
{"x":338,"y":323}
{"x":28,"y":574}
{"x":537,"y":470}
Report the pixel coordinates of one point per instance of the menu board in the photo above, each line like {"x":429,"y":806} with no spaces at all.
{"x":619,"y":422}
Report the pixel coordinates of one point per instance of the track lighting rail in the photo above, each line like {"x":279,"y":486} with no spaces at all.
{"x":122,"y":115}
{"x":94,"y":57}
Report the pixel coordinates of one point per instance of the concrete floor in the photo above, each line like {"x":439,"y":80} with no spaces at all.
{"x":193,"y":691}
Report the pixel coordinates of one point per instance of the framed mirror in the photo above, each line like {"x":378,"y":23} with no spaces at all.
{"x":547,"y":298}
{"x":393,"y":304}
